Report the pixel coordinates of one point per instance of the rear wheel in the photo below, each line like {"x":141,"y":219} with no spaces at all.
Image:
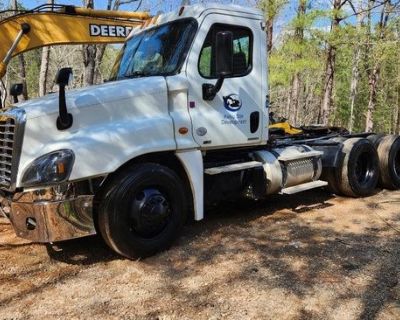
{"x":142,"y":211}
{"x":358,"y":172}
{"x":389,"y":161}
{"x":375,"y":139}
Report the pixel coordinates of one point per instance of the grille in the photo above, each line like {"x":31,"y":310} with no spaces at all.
{"x":7,"y":132}
{"x":11,"y":125}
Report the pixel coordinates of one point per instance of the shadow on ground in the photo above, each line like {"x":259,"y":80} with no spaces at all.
{"x":90,"y":250}
{"x":268,"y":251}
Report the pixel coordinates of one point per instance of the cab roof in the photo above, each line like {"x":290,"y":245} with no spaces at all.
{"x":196,"y":11}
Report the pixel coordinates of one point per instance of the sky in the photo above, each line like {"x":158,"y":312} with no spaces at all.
{"x":152,"y":5}
{"x":149,"y":5}
{"x":155,"y":6}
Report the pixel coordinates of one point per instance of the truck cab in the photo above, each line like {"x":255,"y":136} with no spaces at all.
{"x":181,"y":123}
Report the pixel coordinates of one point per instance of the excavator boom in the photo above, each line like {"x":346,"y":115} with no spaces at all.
{"x":59,"y":24}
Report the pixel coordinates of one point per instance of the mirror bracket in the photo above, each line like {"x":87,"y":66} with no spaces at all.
{"x":64,"y":122}
{"x":211,"y":90}
{"x":65,"y":119}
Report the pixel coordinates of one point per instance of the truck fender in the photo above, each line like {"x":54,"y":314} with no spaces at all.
{"x":192,"y":162}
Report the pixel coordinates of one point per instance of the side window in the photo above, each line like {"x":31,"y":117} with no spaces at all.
{"x":242,"y":51}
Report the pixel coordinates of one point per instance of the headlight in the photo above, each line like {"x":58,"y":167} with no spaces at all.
{"x":51,"y":168}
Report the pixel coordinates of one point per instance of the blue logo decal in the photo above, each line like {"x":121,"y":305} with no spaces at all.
{"x":232,"y":102}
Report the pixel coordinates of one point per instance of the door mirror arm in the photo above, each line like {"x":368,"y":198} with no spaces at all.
{"x":211,"y":90}
{"x":65,"y":119}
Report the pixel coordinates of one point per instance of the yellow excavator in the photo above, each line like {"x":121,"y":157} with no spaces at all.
{"x":281,"y":126}
{"x":62,"y":24}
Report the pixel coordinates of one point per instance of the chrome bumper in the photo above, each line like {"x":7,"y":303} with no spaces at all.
{"x":49,"y":220}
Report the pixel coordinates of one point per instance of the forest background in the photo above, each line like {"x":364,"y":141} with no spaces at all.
{"x":330,"y":62}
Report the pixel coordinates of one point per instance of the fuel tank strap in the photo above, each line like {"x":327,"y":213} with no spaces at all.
{"x":233,"y":167}
{"x":298,"y":156}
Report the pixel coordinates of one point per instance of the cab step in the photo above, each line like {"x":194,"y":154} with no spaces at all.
{"x":304,"y":187}
{"x":233,"y":167}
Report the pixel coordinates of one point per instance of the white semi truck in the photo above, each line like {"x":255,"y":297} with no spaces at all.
{"x":182,"y":122}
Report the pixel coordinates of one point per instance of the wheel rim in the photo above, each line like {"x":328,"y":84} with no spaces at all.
{"x":364,"y":168}
{"x":150,"y":212}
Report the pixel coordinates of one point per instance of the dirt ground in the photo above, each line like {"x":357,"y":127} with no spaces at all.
{"x":308,"y":256}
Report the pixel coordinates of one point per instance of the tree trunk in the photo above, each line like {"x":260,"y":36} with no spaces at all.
{"x":44,"y":67}
{"x":328,"y":85}
{"x":271,"y":9}
{"x":44,"y":70}
{"x":355,"y":71}
{"x":21,"y":59}
{"x":288,"y":105}
{"x":295,"y":96}
{"x":270,"y":33}
{"x":326,"y":105}
{"x":373,"y":77}
{"x":89,"y":55}
{"x":22,"y":74}
{"x":296,"y":82}
{"x":372,"y":82}
{"x":308,"y":114}
{"x":89,"y":63}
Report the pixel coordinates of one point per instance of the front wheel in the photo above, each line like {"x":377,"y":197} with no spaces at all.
{"x":142,"y":210}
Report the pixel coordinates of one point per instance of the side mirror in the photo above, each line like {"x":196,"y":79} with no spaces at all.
{"x":63,"y":78}
{"x":224,"y":53}
{"x":223,"y":63}
{"x":16,"y":90}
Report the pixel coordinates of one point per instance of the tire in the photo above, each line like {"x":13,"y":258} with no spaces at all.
{"x":389,"y":162}
{"x":142,"y":211}
{"x":375,"y":139}
{"x":358,"y":173}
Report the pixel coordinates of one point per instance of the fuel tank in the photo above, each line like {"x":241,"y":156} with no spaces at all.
{"x":289,"y":166}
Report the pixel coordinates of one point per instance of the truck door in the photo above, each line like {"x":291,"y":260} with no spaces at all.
{"x":235,"y":116}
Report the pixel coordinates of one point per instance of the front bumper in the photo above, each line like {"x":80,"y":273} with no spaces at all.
{"x":47,"y":219}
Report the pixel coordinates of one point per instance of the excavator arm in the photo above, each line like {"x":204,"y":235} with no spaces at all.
{"x":59,"y":24}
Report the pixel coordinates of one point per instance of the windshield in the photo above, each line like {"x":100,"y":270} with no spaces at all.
{"x":157,"y":51}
